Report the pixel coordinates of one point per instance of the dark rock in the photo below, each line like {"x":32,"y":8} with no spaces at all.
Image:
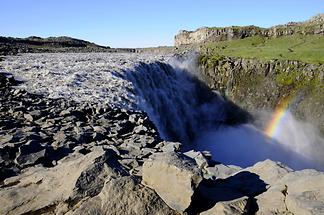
{"x":96,"y":136}
{"x":30,"y":153}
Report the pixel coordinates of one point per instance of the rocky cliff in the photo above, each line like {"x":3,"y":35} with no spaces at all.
{"x":205,"y":34}
{"x":257,"y":84}
{"x":314,"y":25}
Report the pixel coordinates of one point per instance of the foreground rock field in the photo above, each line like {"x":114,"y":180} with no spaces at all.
{"x":73,"y":141}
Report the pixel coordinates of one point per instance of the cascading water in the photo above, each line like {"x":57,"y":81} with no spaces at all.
{"x":184,"y":109}
{"x":178,"y":103}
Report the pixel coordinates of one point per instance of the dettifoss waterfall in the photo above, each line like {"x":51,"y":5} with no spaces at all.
{"x":184,"y":109}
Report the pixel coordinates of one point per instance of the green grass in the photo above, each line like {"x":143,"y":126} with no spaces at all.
{"x":306,"y":48}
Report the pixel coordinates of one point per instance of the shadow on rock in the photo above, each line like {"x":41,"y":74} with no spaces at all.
{"x":211,"y":192}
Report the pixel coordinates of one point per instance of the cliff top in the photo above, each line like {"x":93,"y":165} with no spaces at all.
{"x":318,"y":19}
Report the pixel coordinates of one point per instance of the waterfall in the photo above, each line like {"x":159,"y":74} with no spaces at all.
{"x":180,"y":105}
{"x":184,"y":109}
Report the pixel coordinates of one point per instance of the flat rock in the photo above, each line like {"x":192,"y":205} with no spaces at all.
{"x":174,"y":177}
{"x":220,"y":171}
{"x":233,"y":207}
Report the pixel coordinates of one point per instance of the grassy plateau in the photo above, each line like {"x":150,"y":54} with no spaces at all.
{"x":305,"y":48}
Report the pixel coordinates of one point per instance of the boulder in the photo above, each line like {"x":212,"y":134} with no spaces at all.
{"x":76,"y":176}
{"x":174,"y":177}
{"x":124,"y":195}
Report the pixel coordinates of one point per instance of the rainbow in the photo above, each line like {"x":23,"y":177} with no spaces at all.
{"x":279,"y":114}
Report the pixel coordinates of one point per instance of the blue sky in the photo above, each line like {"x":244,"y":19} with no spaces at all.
{"x":142,"y":23}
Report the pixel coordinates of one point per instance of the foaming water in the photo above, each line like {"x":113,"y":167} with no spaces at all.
{"x":184,"y":109}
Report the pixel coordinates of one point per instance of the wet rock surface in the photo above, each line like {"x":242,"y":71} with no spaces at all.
{"x":60,"y":156}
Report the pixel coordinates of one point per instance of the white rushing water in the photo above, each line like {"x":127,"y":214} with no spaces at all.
{"x":91,"y":77}
{"x":183,"y":108}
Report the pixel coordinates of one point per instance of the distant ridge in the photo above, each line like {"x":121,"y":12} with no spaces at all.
{"x":34,"y":44}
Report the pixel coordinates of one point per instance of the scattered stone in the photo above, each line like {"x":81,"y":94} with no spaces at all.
{"x":60,"y":136}
{"x":65,"y":113}
{"x":35,"y":113}
{"x":28,"y":117}
{"x":169,"y":146}
{"x":198,"y":157}
{"x":140,"y":129}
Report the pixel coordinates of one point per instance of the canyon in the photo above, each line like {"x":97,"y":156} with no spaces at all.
{"x":86,"y":129}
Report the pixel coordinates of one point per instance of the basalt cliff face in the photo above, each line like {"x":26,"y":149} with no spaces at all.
{"x":206,"y":34}
{"x":257,"y":84}
{"x":314,"y":25}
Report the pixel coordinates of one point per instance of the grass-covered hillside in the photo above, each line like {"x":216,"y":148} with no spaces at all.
{"x":305,"y":48}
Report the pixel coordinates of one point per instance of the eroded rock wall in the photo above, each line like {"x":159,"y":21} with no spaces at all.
{"x":312,"y":26}
{"x":205,"y":34}
{"x":256,"y":84}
